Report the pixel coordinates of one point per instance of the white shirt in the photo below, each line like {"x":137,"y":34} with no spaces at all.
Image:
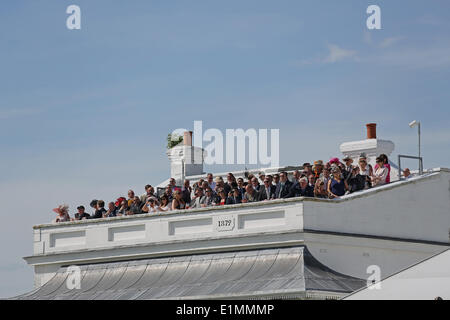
{"x":381,"y":173}
{"x":153,"y":209}
{"x":166,"y":208}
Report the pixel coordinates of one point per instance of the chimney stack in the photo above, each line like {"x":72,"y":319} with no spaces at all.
{"x":372,"y":147}
{"x":187,"y":138}
{"x":185,"y":159}
{"x":371,"y":130}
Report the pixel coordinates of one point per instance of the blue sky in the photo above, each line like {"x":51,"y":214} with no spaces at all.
{"x":84,"y":113}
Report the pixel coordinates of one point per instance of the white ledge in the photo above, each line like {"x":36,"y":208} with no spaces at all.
{"x":359,"y":194}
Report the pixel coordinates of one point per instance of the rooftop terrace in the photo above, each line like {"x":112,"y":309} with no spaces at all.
{"x":416,"y":210}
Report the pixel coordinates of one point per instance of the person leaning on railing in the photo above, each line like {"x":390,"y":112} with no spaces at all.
{"x":381,"y":173}
{"x":406,"y":173}
{"x":251,"y":195}
{"x":365,"y":170}
{"x":164,"y":204}
{"x":223,"y":197}
{"x":198,"y":200}
{"x":267,"y":190}
{"x":315,"y":182}
{"x":151,"y":205}
{"x":122,"y":205}
{"x":337,"y":186}
{"x":111,"y":212}
{"x":178,"y":202}
{"x":319,"y":189}
{"x":386,"y":164}
{"x":63,"y":214}
{"x":81,"y":214}
{"x":234,"y":197}
{"x":136,"y":206}
{"x":100,"y":210}
{"x":301,"y":189}
{"x":356,"y":182}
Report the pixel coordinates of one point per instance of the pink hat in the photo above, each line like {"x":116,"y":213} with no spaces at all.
{"x":334,"y":160}
{"x":61,"y":209}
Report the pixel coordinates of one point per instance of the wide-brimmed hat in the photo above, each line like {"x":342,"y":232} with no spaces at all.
{"x":64,"y":208}
{"x":334,"y":169}
{"x":347,"y":158}
{"x":334,"y":160}
{"x":218,"y":179}
{"x":318,"y":163}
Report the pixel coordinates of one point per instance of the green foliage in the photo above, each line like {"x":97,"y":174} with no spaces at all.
{"x":172,"y":141}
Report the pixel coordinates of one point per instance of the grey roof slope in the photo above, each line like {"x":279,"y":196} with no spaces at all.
{"x":256,"y":273}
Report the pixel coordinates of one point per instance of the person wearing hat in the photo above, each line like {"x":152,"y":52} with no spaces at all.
{"x":348,"y":168}
{"x":333,"y":161}
{"x":93,"y":204}
{"x":81,"y":214}
{"x":63,"y":214}
{"x":366,"y":170}
{"x":317,"y":168}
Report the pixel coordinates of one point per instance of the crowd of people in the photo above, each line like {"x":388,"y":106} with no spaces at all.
{"x":329,"y":180}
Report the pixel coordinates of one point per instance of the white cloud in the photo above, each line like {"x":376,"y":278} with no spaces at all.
{"x":389,"y":41}
{"x":338,"y":54}
{"x":386,"y":52}
{"x":335,"y":54}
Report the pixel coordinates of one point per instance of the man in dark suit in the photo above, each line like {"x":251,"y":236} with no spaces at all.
{"x":347,"y":172}
{"x":241,"y":187}
{"x":234,"y":197}
{"x":302,"y":189}
{"x":255,"y":184}
{"x":267,"y":191}
{"x":186,"y":192}
{"x":283,"y":187}
{"x":251,"y":195}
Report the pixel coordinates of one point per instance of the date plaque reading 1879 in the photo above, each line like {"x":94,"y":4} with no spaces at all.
{"x":224,"y":223}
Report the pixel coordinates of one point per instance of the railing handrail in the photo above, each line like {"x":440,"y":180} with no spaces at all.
{"x":348,"y":197}
{"x":409,"y":157}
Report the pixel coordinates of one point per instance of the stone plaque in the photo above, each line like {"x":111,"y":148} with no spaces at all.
{"x":224,"y":223}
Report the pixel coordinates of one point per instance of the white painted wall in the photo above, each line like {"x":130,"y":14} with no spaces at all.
{"x":353,"y":255}
{"x":423,"y":281}
{"x":418,"y":210}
